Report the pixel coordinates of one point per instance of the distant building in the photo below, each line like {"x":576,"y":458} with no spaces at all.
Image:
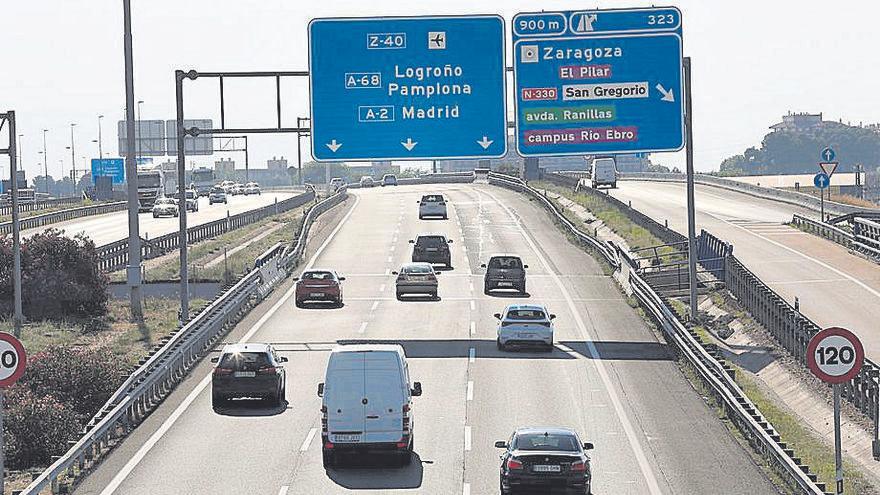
{"x":224,"y":167}
{"x":277,"y":164}
{"x":798,"y":122}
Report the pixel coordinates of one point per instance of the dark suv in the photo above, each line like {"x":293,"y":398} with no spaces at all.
{"x":248,"y":370}
{"x":544,"y":459}
{"x":505,"y":272}
{"x":432,"y":248}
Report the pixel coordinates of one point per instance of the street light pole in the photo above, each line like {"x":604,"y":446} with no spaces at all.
{"x":100,"y":140}
{"x":134,"y":239}
{"x":299,"y":169}
{"x":20,"y":152}
{"x":18,"y":316}
{"x":72,"y":158}
{"x":140,"y":133}
{"x":45,"y":162}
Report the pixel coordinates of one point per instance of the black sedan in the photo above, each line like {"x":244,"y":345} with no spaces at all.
{"x":545,"y":460}
{"x":248,"y":370}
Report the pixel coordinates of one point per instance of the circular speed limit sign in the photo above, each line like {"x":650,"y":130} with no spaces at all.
{"x":12,"y":360}
{"x":835,"y":355}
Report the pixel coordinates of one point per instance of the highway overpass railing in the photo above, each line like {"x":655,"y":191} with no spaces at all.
{"x":717,"y":378}
{"x":865,"y":235}
{"x":35,"y":221}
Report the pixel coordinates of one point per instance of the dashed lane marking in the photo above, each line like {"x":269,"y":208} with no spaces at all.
{"x":308,"y":441}
{"x":470,"y":390}
{"x":472,"y":355}
{"x":363,"y":327}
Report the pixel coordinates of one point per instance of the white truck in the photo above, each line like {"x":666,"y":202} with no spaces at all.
{"x":603,"y":172}
{"x":150,"y":187}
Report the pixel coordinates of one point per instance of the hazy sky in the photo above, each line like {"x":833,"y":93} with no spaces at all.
{"x":62,"y":62}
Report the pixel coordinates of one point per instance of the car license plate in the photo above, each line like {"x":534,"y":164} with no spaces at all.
{"x":347,"y":438}
{"x":317,"y":294}
{"x":525,"y":335}
{"x":505,"y":284}
{"x":245,"y":374}
{"x":543,"y":468}
{"x":431,"y":250}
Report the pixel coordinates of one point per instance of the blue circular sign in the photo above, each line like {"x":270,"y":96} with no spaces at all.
{"x":821,"y":181}
{"x":828,"y":154}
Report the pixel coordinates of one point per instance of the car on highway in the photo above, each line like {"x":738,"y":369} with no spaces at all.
{"x":603,"y":172}
{"x":542,"y":460}
{"x":432,"y":248}
{"x":336,"y":183}
{"x":318,"y":285}
{"x":165,"y":207}
{"x":252,"y":188}
{"x":217,"y":195}
{"x":525,"y":325}
{"x":237,"y":189}
{"x":367,"y":181}
{"x":416,"y":278}
{"x":227,"y":186}
{"x":504,"y":271}
{"x":389,"y":180}
{"x":366,"y":403}
{"x":192,"y":200}
{"x":248,"y":370}
{"x":432,"y":205}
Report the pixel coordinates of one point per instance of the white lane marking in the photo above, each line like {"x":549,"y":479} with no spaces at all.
{"x":472,"y":355}
{"x":363,"y":327}
{"x":467,"y":438}
{"x":389,"y":259}
{"x":308,"y":441}
{"x":375,"y":305}
{"x":382,"y":288}
{"x":392,"y":248}
{"x":631,"y":437}
{"x":388,"y":271}
{"x":472,"y":286}
{"x":463,"y":249}
{"x":466,"y":490}
{"x":473,"y":327}
{"x":473,"y":305}
{"x":168,"y":423}
{"x":283,"y":490}
{"x":470,"y":390}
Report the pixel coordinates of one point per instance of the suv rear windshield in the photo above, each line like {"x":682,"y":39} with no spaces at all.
{"x":432,"y":198}
{"x":431,"y":241}
{"x":505,"y":263}
{"x":526,"y":314}
{"x":418,"y":269}
{"x":544,"y":441}
{"x":244,"y":361}
{"x":317,"y":276}
{"x":217,"y":190}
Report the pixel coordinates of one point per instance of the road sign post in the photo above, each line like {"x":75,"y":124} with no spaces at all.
{"x":835,"y":355}
{"x":13,"y":360}
{"x":821,"y":181}
{"x":408,"y":88}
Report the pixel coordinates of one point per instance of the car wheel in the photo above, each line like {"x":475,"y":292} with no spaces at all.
{"x":155,"y":215}
{"x":406,"y":458}
{"x":217,"y":402}
{"x":522,"y":289}
{"x":486,"y":288}
{"x":281,"y":393}
{"x":433,"y":295}
{"x":421,"y":217}
{"x":329,"y":459}
{"x":298,"y":303}
{"x":399,"y":296}
{"x":445,"y":217}
{"x":499,"y":344}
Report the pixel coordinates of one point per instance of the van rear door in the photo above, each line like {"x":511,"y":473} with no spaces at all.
{"x":343,"y":397}
{"x":386,"y":395}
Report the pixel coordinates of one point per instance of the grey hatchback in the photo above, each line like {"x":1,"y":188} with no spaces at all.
{"x":505,"y":271}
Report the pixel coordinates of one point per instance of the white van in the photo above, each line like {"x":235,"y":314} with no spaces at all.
{"x":603,"y":172}
{"x":367,"y":402}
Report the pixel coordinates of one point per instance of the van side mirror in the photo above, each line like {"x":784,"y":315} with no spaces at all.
{"x":295,"y":279}
{"x":525,"y":266}
{"x":283,"y":359}
{"x":341,"y":279}
{"x":552,"y":316}
{"x":497,"y":315}
{"x":500,"y":444}
{"x":412,"y":241}
{"x":450,"y":241}
{"x":321,"y":389}
{"x":215,"y":360}
{"x":417,"y":389}
{"x":588,"y":446}
{"x":395,"y":273}
{"x":482,"y":265}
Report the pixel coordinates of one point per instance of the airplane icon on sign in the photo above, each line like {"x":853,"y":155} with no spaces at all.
{"x":437,"y":40}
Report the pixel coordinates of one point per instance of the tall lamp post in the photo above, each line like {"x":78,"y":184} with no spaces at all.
{"x":139,"y":131}
{"x":45,"y":162}
{"x":100,"y":139}
{"x":73,"y":158}
{"x":20,"y":154}
{"x":299,"y":167}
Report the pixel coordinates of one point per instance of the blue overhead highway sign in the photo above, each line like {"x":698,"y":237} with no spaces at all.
{"x":407,"y":88}
{"x":109,"y":167}
{"x":592,"y":82}
{"x":821,"y":181}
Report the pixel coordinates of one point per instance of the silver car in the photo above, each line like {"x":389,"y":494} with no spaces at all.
{"x":165,"y":207}
{"x":416,"y":278}
{"x":525,"y":325}
{"x":432,"y":205}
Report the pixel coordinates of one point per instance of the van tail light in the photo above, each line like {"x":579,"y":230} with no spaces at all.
{"x":514,"y":464}
{"x":406,"y":417}
{"x":328,"y":445}
{"x":268,"y":370}
{"x":578,"y":467}
{"x":442,"y":203}
{"x":222,"y":371}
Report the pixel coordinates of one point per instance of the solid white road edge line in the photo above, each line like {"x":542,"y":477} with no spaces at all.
{"x":308,"y":441}
{"x":166,"y":425}
{"x":639,"y":452}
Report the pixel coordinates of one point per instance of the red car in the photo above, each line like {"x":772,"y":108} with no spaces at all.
{"x":319,"y":285}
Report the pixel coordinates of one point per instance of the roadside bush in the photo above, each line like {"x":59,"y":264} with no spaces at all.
{"x":35,"y":428}
{"x":60,"y":277}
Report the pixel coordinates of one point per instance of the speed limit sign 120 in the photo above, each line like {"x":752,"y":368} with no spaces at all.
{"x":12,"y":359}
{"x":835,"y":355}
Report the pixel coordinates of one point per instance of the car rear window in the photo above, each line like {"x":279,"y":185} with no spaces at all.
{"x":418,"y":269}
{"x":432,"y":198}
{"x":505,"y":263}
{"x":431,"y":240}
{"x":244,"y":361}
{"x":545,"y":441}
{"x":317,"y":276}
{"x":526,"y":314}
{"x":218,"y":190}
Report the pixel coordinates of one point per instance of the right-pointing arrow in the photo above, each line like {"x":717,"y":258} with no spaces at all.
{"x":667,"y":94}
{"x":409,"y":144}
{"x":485,"y":143}
{"x":333,"y":145}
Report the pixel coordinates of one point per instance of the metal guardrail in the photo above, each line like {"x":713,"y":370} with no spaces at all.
{"x":739,"y":408}
{"x":864,"y":238}
{"x":114,"y":256}
{"x":39,"y":204}
{"x":823,"y":229}
{"x":170,"y":362}
{"x":63,"y":215}
{"x":867,"y":236}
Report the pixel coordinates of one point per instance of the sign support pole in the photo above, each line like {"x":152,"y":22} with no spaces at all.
{"x":821,"y":205}
{"x":2,"y":456}
{"x":134,"y":238}
{"x":838,"y":464}
{"x":181,"y":189}
{"x":18,"y":316}
{"x":692,"y":228}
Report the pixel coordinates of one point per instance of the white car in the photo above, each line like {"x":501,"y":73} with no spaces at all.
{"x":367,"y":402}
{"x":217,"y":195}
{"x":432,"y":205}
{"x":525,"y":325}
{"x":389,"y":180}
{"x":336,"y":183}
{"x":165,"y":207}
{"x":367,"y":181}
{"x":252,"y":188}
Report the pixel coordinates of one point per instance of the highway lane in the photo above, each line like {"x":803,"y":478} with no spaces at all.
{"x":609,"y":377}
{"x":835,"y":288}
{"x":104,"y":229}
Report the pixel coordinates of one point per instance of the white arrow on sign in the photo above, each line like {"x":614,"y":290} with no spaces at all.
{"x":409,"y":144}
{"x":667,"y":95}
{"x":333,"y":145}
{"x":485,"y":143}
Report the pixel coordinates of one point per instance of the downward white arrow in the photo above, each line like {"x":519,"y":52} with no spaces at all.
{"x":485,"y":143}
{"x":409,"y":144}
{"x":667,"y":95}
{"x":333,"y":145}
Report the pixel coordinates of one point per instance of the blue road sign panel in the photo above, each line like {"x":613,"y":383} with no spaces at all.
{"x":109,"y":167}
{"x":592,"y":82}
{"x":828,"y":154}
{"x":407,"y":88}
{"x":821,"y":181}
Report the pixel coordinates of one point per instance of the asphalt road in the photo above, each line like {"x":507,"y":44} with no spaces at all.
{"x":104,"y":229}
{"x":835,"y":287}
{"x":609,"y":377}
